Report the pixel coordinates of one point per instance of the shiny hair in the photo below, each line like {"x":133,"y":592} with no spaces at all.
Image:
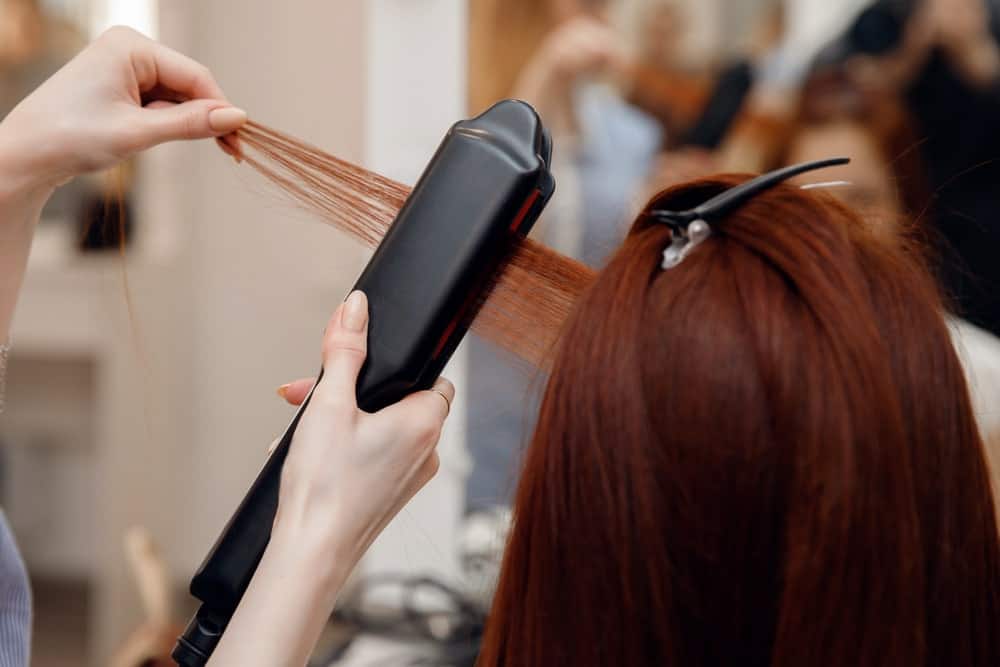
{"x":527,"y":303}
{"x":765,"y":456}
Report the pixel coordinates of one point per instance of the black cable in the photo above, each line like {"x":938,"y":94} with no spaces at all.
{"x":453,"y":634}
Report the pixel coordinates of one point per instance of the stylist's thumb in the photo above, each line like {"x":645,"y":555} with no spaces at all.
{"x":196,"y":119}
{"x":345,"y":346}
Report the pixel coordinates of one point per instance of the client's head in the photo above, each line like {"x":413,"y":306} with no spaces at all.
{"x":763,"y":456}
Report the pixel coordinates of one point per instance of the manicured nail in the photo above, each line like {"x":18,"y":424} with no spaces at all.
{"x":355,"y":314}
{"x":227,"y":119}
{"x":283,"y":391}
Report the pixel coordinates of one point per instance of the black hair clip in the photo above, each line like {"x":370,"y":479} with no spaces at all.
{"x":690,"y":228}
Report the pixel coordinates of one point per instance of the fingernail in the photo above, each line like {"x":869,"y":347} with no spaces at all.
{"x":355,"y":314}
{"x":283,"y":391}
{"x":227,"y":119}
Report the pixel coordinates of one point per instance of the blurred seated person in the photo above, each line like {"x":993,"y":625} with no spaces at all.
{"x":885,"y":182}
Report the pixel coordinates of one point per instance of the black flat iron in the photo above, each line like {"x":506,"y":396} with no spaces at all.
{"x":482,"y":192}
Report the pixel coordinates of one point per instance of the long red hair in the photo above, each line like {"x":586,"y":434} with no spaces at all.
{"x":765,"y":456}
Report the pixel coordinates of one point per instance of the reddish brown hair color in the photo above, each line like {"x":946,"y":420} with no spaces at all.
{"x":765,"y":456}
{"x":531,"y":298}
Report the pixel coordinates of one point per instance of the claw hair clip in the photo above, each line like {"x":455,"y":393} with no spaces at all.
{"x":691,"y":228}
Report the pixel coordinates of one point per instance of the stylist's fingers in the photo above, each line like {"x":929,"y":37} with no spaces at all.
{"x":296,"y":392}
{"x":229,"y":143}
{"x":444,"y":389}
{"x":159,"y":67}
{"x":197,"y":119}
{"x":424,"y":412}
{"x":345,"y":346}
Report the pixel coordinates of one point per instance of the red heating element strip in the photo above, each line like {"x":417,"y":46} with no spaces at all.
{"x":514,"y":227}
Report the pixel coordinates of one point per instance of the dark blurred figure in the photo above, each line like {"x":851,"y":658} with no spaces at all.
{"x":946,"y":66}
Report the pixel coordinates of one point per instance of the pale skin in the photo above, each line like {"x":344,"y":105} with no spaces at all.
{"x":348,"y":472}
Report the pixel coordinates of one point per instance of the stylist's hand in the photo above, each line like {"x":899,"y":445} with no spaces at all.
{"x":349,"y":472}
{"x":124,"y":93}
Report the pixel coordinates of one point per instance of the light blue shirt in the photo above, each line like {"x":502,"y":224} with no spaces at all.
{"x":15,"y":602}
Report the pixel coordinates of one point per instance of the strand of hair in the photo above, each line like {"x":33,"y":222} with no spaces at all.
{"x":528,"y":301}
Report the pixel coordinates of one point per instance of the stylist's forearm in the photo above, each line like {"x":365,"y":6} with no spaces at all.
{"x":21,"y":202}
{"x":287,"y":604}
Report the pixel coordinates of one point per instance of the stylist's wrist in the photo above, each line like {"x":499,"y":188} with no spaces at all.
{"x":324,"y":552}
{"x":349,"y":472}
{"x":22,"y":178}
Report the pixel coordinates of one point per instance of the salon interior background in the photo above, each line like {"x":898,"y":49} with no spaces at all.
{"x":160,"y":418}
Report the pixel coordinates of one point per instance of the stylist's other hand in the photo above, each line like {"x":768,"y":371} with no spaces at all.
{"x":123,"y":94}
{"x":350,"y":472}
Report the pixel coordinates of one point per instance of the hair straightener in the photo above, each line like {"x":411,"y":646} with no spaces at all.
{"x":482,"y":192}
{"x":724,"y":106}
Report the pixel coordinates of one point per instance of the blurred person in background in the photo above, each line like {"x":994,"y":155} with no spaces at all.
{"x":566,"y":59}
{"x":946,"y":66}
{"x":886,"y":182}
{"x":664,"y":81}
{"x":569,"y":62}
{"x":738,"y":109}
{"x":886,"y":177}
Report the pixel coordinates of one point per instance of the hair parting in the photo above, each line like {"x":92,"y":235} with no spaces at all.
{"x":530,"y":298}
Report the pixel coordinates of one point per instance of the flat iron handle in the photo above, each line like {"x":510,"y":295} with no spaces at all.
{"x":230,"y":565}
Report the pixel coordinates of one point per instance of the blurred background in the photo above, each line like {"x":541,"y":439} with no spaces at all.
{"x":152,"y":404}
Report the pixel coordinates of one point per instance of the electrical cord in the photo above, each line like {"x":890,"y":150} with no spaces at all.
{"x":452,"y":633}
